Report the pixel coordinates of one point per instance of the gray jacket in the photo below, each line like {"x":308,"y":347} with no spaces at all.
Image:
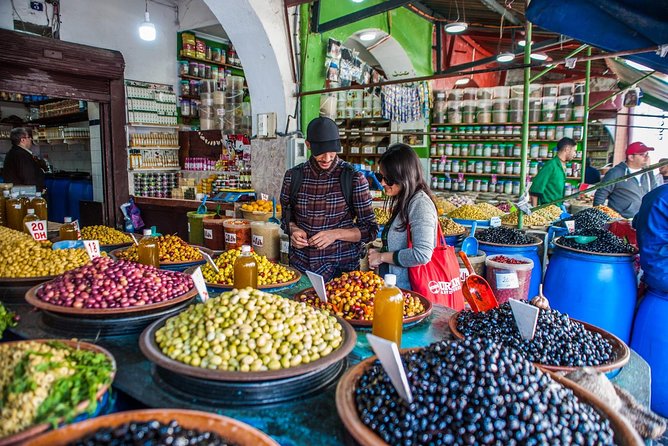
{"x":625,"y":196}
{"x":422,"y":218}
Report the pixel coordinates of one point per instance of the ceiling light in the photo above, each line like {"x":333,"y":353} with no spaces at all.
{"x":367,"y":36}
{"x":523,"y":42}
{"x":147,"y":29}
{"x":539,"y":56}
{"x":358,"y":1}
{"x":456,"y":27}
{"x":506,"y":56}
{"x":462,"y":81}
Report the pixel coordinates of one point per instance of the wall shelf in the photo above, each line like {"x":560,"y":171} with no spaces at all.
{"x":220,"y":64}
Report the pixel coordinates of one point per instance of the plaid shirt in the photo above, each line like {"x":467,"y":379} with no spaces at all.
{"x":320,"y":206}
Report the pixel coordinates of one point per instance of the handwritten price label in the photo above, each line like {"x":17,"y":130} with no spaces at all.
{"x":76,"y":226}
{"x":258,"y":241}
{"x":92,"y":248}
{"x":37,"y":230}
{"x":264,"y":197}
{"x":230,"y":238}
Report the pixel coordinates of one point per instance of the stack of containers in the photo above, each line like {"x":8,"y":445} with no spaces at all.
{"x":206,"y":108}
{"x":234,"y":92}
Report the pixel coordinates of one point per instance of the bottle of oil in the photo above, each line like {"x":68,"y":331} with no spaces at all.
{"x":25,"y":203}
{"x":148,"y":250}
{"x":14,"y":212}
{"x":68,"y":231}
{"x":3,"y":212}
{"x":245,"y":269}
{"x":30,"y":216}
{"x":39,"y":205}
{"x":388,"y":311}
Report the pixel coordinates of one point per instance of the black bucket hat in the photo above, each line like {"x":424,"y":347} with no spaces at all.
{"x":323,"y":136}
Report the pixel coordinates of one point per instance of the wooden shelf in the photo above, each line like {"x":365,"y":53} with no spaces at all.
{"x":154,"y":169}
{"x":141,"y":124}
{"x":469,"y":140}
{"x":500,"y":158}
{"x":473,"y":174}
{"x":63,"y":141}
{"x":153,"y":147}
{"x":194,"y":78}
{"x":362,"y":155}
{"x":62,"y":119}
{"x":220,"y":64}
{"x":448,"y":124}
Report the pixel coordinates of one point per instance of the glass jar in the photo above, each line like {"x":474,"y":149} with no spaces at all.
{"x":432,"y":150}
{"x":442,"y":166}
{"x":487,"y":166}
{"x":479,"y":149}
{"x":440,"y":108}
{"x":470,"y":167}
{"x":484,"y":186}
{"x":479,"y":167}
{"x":441,"y":183}
{"x":517,"y":150}
{"x":543,"y":151}
{"x":476,"y":185}
{"x":465,"y":150}
{"x":448,"y":149}
{"x":508,"y":187}
{"x":551,"y":132}
{"x":455,"y":166}
{"x":500,"y":167}
{"x":516,"y":187}
{"x":559,"y":133}
{"x":534,"y":151}
{"x":487,"y":150}
{"x":456,"y":149}
{"x":440,"y":150}
{"x":469,"y":185}
{"x":533,"y":168}
{"x":434,"y":165}
{"x":533,"y":132}
{"x":434,"y":183}
{"x":495,"y":150}
{"x":448,"y":183}
{"x":517,"y":167}
{"x":542,"y":132}
{"x":447,"y":167}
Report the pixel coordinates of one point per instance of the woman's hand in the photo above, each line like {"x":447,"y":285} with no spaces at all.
{"x":375,"y":258}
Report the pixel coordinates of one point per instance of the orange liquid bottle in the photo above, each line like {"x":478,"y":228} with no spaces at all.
{"x":148,"y":250}
{"x":14,"y":212}
{"x":30,"y":216}
{"x":25,"y":203}
{"x":245,"y":269}
{"x":68,"y":231}
{"x":388,"y":311}
{"x":3,"y":212}
{"x":39,"y":205}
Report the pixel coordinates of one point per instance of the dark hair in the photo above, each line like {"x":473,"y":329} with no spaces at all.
{"x":565,"y":142}
{"x":402,"y":166}
{"x":19,"y":132}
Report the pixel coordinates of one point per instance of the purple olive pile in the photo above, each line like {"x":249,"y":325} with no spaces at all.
{"x":152,"y":433}
{"x":559,"y":341}
{"x":502,"y":235}
{"x":475,"y":392}
{"x":105,"y":283}
{"x":606,"y":243}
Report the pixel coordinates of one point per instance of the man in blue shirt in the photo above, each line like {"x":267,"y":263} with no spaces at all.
{"x":651,"y":225}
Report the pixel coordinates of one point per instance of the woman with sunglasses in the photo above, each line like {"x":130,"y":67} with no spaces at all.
{"x":412,"y":208}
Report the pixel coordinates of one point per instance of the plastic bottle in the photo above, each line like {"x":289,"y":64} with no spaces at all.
{"x":30,"y":216}
{"x":388,"y":311}
{"x":245,"y":269}
{"x":68,"y":231}
{"x":39,"y":205}
{"x":14,"y":212}
{"x":148,"y":250}
{"x":3,"y":212}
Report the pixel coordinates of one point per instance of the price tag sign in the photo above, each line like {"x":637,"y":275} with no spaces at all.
{"x":198,"y":278}
{"x":495,"y":222}
{"x":229,"y":213}
{"x":258,"y":241}
{"x":463,"y":274}
{"x":526,"y":318}
{"x":37,"y":230}
{"x":76,"y":226}
{"x":264,"y":197}
{"x":208,"y":234}
{"x":388,"y":353}
{"x":92,"y":248}
{"x":230,"y":237}
{"x":570,"y":225}
{"x":507,"y":281}
{"x":318,"y":284}
{"x":209,"y":260}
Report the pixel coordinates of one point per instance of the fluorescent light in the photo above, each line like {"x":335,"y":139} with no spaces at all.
{"x":523,"y":42}
{"x":462,"y":81}
{"x":367,"y":36}
{"x":147,"y":29}
{"x":358,"y":1}
{"x":456,"y":27}
{"x":505,"y":57}
{"x":637,"y":66}
{"x":539,"y":56}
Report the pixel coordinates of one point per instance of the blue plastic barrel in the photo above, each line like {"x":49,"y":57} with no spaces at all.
{"x":596,"y":288}
{"x":528,"y":251}
{"x":78,"y":191}
{"x":649,"y":340}
{"x":48,"y":184}
{"x":58,"y":199}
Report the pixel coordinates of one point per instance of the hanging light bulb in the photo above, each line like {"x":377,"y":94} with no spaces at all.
{"x":504,"y":57}
{"x":539,"y":56}
{"x":367,"y":36}
{"x":147,"y":29}
{"x":456,"y":27}
{"x":462,"y":81}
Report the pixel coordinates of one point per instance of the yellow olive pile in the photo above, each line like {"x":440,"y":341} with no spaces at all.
{"x":479,"y":211}
{"x":449,"y":227}
{"x":105,"y":234}
{"x":444,"y":206}
{"x":535,"y":219}
{"x":268,"y":273}
{"x":172,"y":249}
{"x":21,"y":256}
{"x":551,"y":213}
{"x":351,"y":297}
{"x":608,"y":210}
{"x":382,"y":216}
{"x":249,"y":330}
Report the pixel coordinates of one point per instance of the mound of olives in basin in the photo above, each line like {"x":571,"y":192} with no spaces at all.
{"x":475,"y":392}
{"x":558,"y":341}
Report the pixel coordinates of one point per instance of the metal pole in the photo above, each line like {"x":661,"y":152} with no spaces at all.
{"x":525,"y":118}
{"x":585,"y":125}
{"x":548,"y":69}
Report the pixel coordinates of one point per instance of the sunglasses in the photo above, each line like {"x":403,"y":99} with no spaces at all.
{"x":382,"y":178}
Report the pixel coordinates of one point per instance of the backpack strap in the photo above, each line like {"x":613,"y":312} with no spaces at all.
{"x":347,"y":178}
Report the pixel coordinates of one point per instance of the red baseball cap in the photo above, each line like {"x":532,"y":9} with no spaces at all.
{"x":637,"y":147}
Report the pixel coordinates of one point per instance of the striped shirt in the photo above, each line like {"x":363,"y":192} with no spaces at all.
{"x":320,"y":206}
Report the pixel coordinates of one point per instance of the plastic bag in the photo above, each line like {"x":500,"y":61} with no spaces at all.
{"x":132,"y":215}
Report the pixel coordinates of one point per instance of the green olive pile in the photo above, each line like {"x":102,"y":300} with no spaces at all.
{"x":535,"y":219}
{"x":551,"y":212}
{"x":21,"y":256}
{"x":480,"y":211}
{"x":268,"y":273}
{"x":449,"y":227}
{"x":105,"y":235}
{"x":172,"y":249}
{"x":248,"y":330}
{"x":351,"y":297}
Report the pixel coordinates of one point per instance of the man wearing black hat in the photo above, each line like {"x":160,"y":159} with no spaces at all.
{"x":327,"y":227}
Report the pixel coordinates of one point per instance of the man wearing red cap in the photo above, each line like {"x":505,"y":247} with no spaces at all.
{"x":625,"y":196}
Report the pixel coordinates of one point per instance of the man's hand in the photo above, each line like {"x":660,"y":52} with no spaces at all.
{"x":298,"y":238}
{"x":324,"y":238}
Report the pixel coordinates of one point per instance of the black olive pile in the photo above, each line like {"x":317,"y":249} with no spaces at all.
{"x":502,"y":235}
{"x":558,"y":340}
{"x":152,"y":433}
{"x":587,"y":220}
{"x":475,"y":392}
{"x":606,"y":243}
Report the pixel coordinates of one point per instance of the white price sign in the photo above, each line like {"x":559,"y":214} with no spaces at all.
{"x":495,"y":222}
{"x":200,"y":284}
{"x":230,"y":238}
{"x":37,"y":230}
{"x":208,"y":234}
{"x":264,"y":197}
{"x":507,"y":281}
{"x":92,"y":248}
{"x":76,"y":226}
{"x":526,"y":318}
{"x":210,"y":260}
{"x":258,"y":241}
{"x":318,"y":283}
{"x":388,"y":354}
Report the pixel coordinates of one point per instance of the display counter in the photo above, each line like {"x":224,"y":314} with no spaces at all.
{"x":311,"y":419}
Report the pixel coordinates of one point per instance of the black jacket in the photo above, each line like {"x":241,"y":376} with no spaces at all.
{"x":22,"y":169}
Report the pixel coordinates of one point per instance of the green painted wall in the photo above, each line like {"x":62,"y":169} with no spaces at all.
{"x":411,"y":31}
